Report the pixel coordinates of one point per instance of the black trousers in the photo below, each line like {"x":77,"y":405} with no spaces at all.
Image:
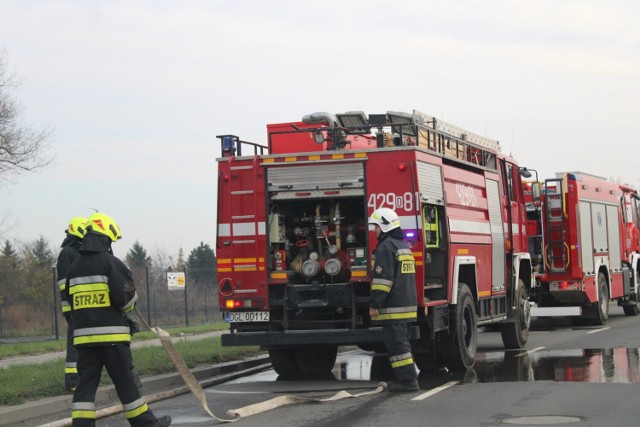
{"x":71,"y":359}
{"x":119,"y":365}
{"x":396,"y":341}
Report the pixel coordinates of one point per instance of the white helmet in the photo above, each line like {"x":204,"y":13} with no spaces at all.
{"x":386,"y":218}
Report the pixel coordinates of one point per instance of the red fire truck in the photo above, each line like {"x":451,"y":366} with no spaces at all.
{"x":294,"y":248}
{"x":584,"y":244}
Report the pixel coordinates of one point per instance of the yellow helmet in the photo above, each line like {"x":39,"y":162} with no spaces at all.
{"x":77,"y":226}
{"x":104,"y":224}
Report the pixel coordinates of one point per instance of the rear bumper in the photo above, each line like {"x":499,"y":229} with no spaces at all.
{"x":298,"y":338}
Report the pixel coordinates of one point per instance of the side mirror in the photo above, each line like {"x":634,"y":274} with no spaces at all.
{"x":524,"y":172}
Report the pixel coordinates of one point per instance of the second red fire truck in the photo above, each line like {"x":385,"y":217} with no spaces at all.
{"x":585,"y":244}
{"x":294,"y":249}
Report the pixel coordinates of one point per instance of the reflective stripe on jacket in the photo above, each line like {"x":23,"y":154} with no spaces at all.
{"x":68,"y":254}
{"x":393,"y":284}
{"x":100,"y":288}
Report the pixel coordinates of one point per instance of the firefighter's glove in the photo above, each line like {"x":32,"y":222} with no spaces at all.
{"x":133,"y":325}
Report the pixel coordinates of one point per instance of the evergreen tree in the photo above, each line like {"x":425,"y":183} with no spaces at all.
{"x":40,"y":253}
{"x":37,"y":267}
{"x":9,"y":256}
{"x":180,"y":261}
{"x":137,"y":257}
{"x":201,"y":264}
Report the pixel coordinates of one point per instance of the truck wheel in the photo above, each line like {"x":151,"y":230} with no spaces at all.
{"x":464,"y":329}
{"x":598,"y":313}
{"x":631,"y":310}
{"x":515,"y":334}
{"x":284,"y":362}
{"x":316,"y":360}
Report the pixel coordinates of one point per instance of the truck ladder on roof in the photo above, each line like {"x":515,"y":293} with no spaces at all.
{"x":453,"y":141}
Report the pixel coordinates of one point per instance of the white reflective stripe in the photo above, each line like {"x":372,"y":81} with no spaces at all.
{"x":70,"y":365}
{"x":410,"y":222}
{"x":515,"y":228}
{"x":83,"y":406}
{"x":131,"y":303}
{"x":61,"y":282}
{"x":102,"y":330}
{"x":242,"y":229}
{"x":88,"y":279}
{"x":400,"y":357}
{"x":404,"y":252}
{"x":133,"y":405}
{"x":224,"y":230}
{"x":467,"y":226}
{"x":398,"y":309}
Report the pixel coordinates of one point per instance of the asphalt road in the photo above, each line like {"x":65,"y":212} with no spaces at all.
{"x":586,"y":376}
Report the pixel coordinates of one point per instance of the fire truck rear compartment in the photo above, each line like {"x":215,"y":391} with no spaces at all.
{"x":317,"y":248}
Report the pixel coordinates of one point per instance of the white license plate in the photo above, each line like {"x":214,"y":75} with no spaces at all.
{"x":246,"y":316}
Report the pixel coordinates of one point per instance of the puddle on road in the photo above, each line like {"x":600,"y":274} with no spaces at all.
{"x":611,"y":365}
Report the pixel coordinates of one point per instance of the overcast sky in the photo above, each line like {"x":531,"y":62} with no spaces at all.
{"x":136,"y":92}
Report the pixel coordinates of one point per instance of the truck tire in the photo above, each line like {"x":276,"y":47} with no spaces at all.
{"x":632,"y":309}
{"x":316,"y":360}
{"x":515,"y":334}
{"x":284,"y":362}
{"x":463,"y":341}
{"x":598,"y":313}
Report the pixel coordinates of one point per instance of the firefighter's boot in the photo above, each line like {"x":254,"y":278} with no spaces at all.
{"x":404,"y":386}
{"x":164,"y":421}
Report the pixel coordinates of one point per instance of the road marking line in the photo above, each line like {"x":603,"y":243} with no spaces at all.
{"x":436,"y":390}
{"x":524,"y":353}
{"x":598,"y":330}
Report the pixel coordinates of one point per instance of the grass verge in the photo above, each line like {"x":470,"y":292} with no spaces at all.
{"x":38,"y":347}
{"x":28,"y":382}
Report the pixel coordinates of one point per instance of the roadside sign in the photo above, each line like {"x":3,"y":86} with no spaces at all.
{"x":175,"y":280}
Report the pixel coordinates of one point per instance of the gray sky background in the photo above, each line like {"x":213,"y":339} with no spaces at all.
{"x":137,"y":90}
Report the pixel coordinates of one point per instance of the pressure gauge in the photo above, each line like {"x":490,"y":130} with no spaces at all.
{"x":332,"y":266}
{"x":310,"y":268}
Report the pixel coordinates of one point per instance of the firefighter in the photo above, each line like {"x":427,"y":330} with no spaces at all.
{"x":69,"y":253}
{"x":393,"y":296}
{"x":101,"y":292}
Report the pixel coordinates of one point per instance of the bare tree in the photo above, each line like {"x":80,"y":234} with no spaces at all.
{"x":22,"y":149}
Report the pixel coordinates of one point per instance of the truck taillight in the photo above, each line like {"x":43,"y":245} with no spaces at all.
{"x":564,"y":286}
{"x":231,"y":304}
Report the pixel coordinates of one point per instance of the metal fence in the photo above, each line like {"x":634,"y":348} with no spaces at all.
{"x":36,"y":314}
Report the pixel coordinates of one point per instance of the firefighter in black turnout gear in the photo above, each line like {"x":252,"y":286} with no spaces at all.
{"x":68,"y":254}
{"x":393,"y":296}
{"x":101,"y":292}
